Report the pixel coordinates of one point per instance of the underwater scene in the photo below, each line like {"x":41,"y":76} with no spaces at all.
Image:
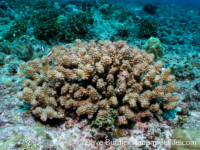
{"x":100,"y":75}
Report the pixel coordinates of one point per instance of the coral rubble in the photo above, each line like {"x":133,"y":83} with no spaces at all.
{"x":91,"y":78}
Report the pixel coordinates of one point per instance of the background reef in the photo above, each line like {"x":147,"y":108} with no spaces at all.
{"x":79,"y":71}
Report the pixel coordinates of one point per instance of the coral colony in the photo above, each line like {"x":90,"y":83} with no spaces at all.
{"x":98,"y":77}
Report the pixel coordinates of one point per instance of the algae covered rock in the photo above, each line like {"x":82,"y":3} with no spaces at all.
{"x":150,"y":8}
{"x":185,"y":139}
{"x":196,"y":63}
{"x":14,"y":138}
{"x":153,"y":45}
{"x":61,"y":18}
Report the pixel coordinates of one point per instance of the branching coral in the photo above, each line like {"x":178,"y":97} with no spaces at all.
{"x":91,"y":78}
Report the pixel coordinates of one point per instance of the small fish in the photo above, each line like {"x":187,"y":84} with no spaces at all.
{"x":42,"y":48}
{"x":24,"y":48}
{"x":49,"y":53}
{"x":72,"y":56}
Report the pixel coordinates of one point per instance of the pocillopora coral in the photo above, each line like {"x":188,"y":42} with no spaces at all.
{"x":91,"y":78}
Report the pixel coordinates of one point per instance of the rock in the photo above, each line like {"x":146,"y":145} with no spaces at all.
{"x":183,"y":112}
{"x":56,"y":6}
{"x":1,"y":39}
{"x":196,"y":95}
{"x":61,"y":18}
{"x":183,"y":105}
{"x":197,"y":87}
{"x":149,"y":8}
{"x":181,"y":41}
{"x":8,"y":84}
{"x":196,"y":63}
{"x":188,"y":137}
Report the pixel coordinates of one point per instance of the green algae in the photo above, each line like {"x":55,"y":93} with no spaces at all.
{"x":14,"y":138}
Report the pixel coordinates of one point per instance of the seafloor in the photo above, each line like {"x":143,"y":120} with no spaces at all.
{"x":179,"y":34}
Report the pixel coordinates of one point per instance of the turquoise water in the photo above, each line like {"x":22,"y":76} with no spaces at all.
{"x":73,"y":72}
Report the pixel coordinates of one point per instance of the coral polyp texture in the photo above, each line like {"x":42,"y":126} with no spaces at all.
{"x":90,"y":78}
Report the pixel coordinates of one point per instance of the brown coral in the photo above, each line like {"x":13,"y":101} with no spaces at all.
{"x":91,"y":78}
